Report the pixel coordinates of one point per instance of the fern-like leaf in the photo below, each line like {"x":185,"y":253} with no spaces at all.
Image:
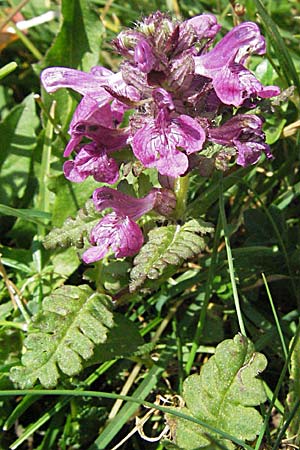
{"x":166,"y":249}
{"x":63,"y":335}
{"x":223,"y":396}
{"x":74,"y":230}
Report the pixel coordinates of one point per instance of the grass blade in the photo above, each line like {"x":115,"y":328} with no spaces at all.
{"x":229,"y":257}
{"x":282,"y":53}
{"x":285,"y":351}
{"x":26,"y":214}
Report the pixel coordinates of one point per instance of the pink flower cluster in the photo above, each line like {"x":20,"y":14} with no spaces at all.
{"x":176,"y":88}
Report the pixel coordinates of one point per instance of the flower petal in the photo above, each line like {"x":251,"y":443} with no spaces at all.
{"x":124,"y":204}
{"x":239,"y":127}
{"x":157,"y":148}
{"x":94,"y":254}
{"x":250,"y":152}
{"x":191,"y":135}
{"x":173,"y":163}
{"x":120,"y":233}
{"x":234,"y":83}
{"x":129,"y":238}
{"x":92,"y":160}
{"x":72,"y":173}
{"x":156,"y":143}
{"x":55,"y":78}
{"x":235,"y":46}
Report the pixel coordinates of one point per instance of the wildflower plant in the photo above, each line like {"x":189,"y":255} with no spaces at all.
{"x":184,"y":109}
{"x":174,"y":97}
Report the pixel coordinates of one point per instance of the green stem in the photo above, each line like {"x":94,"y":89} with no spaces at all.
{"x":176,"y":330}
{"x":181,"y":190}
{"x":51,"y":119}
{"x":44,"y":198}
{"x":7,"y":69}
{"x":43,"y":201}
{"x":18,"y":325}
{"x":229,"y":257}
{"x":27,"y":42}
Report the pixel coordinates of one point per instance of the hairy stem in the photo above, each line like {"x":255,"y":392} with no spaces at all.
{"x":181,"y":190}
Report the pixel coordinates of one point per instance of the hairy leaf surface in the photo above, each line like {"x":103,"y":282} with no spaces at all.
{"x":166,"y":249}
{"x":223,"y":396}
{"x":74,"y":230}
{"x":73,"y":320}
{"x":123,"y":340}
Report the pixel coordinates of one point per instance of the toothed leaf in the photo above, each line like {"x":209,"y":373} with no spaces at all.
{"x":223,"y":396}
{"x":74,"y":230}
{"x":166,"y":249}
{"x":123,"y":340}
{"x":72,"y":322}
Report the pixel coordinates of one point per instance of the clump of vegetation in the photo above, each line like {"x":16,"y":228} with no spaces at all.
{"x":155,"y":273}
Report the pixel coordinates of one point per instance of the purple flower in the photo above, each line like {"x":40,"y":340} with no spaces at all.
{"x":97,"y":123}
{"x":118,"y":230}
{"x":159,"y":143}
{"x":244,"y":132}
{"x":173,"y":87}
{"x":232,"y":82}
{"x":100,"y":110}
{"x":92,"y":160}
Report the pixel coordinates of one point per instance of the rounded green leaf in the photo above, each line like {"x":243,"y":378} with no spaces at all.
{"x":223,"y":395}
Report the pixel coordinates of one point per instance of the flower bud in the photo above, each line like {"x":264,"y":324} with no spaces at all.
{"x":143,"y":56}
{"x":165,"y":202}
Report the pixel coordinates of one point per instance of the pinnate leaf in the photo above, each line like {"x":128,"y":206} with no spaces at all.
{"x":223,"y":396}
{"x":73,"y":320}
{"x":74,"y":230}
{"x":166,"y":249}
